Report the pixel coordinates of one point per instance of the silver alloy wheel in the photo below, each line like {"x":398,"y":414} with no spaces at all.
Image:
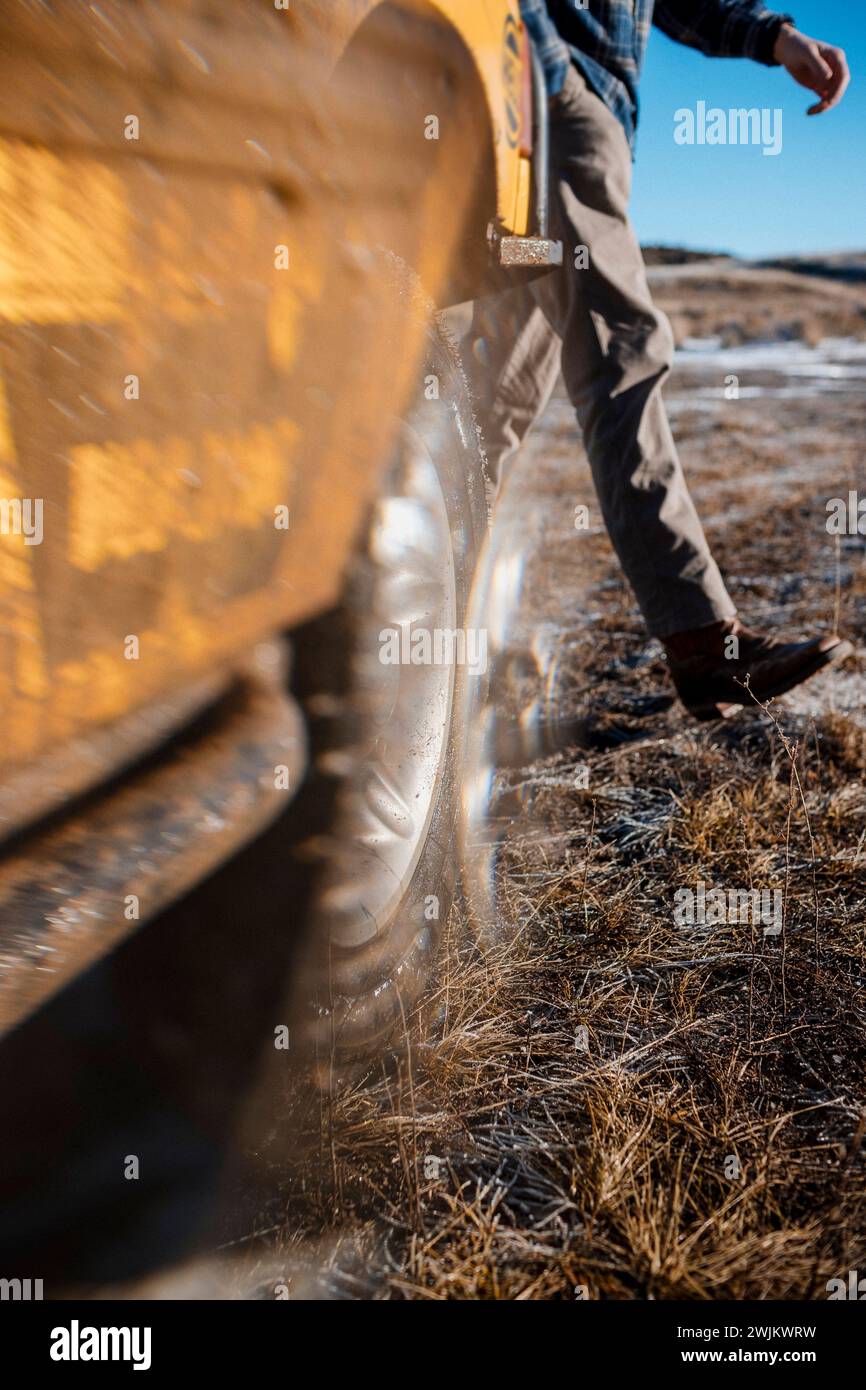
{"x":389,"y":736}
{"x":403,"y":710}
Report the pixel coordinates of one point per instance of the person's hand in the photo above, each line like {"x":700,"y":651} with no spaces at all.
{"x":818,"y":66}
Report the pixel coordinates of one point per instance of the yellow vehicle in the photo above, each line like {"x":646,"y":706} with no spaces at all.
{"x":221,"y":228}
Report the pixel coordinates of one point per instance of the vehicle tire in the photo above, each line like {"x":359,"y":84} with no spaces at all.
{"x":388,"y":738}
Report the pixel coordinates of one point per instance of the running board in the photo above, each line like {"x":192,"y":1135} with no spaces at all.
{"x":529,"y":251}
{"x":66,"y":892}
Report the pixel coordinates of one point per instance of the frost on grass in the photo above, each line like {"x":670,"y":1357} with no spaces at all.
{"x":609,"y":1102}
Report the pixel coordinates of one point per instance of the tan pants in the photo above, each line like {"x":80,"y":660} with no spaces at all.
{"x":615,"y":349}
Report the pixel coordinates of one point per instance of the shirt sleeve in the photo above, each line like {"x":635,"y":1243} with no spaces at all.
{"x":722,"y":28}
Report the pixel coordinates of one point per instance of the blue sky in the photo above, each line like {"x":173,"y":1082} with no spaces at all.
{"x":811,"y":197}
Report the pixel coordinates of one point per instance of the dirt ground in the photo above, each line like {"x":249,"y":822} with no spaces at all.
{"x":614,"y":1105}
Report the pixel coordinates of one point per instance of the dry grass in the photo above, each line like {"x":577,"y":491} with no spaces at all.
{"x":612,"y":1105}
{"x":702,"y":1137}
{"x":744,"y":305}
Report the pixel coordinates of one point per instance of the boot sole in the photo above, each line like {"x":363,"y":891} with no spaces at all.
{"x":722,"y":709}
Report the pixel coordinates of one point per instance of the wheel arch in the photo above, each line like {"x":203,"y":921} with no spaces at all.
{"x":452,"y":81}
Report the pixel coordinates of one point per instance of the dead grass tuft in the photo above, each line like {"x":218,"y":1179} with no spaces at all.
{"x":610,"y":1104}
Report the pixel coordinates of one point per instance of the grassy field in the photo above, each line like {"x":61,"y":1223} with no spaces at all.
{"x":614,"y":1105}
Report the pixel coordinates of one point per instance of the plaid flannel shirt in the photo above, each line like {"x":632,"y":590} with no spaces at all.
{"x":607,"y":39}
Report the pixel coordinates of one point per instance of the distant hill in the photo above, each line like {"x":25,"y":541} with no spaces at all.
{"x":680,"y":255}
{"x":806,"y":298}
{"x":846,"y":266}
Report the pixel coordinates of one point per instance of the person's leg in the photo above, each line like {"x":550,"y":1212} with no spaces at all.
{"x":511,"y":355}
{"x":617,"y":351}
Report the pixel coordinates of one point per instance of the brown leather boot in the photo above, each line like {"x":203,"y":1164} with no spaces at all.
{"x":707,"y":662}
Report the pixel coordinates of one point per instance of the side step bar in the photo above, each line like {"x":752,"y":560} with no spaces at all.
{"x":529,"y":251}
{"x":538,"y":250}
{"x":65,"y":893}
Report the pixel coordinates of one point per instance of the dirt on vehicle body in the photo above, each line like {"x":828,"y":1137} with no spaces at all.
{"x":201,"y":363}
